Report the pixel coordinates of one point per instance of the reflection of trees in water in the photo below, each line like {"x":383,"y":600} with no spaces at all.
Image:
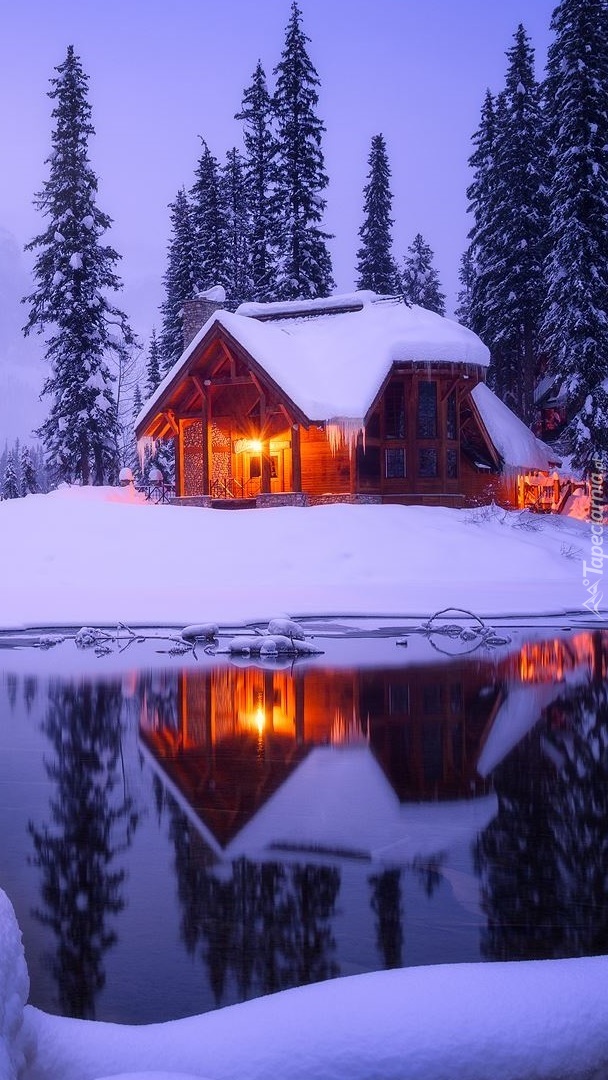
{"x":386,"y":905}
{"x":158,"y":698}
{"x":11,"y":690}
{"x":92,"y":821}
{"x":267,"y":926}
{"x":544,"y":858}
{"x":581,"y":818}
{"x":30,"y":689}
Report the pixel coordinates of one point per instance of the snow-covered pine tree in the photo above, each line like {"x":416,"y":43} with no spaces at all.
{"x":29,"y":483}
{"x":482,"y":197}
{"x":74,"y":273}
{"x":575,"y":323}
{"x":519,"y":223}
{"x":163,"y":455}
{"x":10,"y":485}
{"x":305,"y":263}
{"x":466,"y":277}
{"x":181,"y":280}
{"x":420,"y":281}
{"x":135,"y":463}
{"x":209,"y":219}
{"x":153,"y":370}
{"x":238,"y":226}
{"x":376,"y":267}
{"x":42,"y":479}
{"x":261,"y":179}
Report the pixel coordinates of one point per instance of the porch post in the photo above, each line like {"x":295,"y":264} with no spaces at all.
{"x":296,"y":458}
{"x":179,"y":459}
{"x":206,"y":425}
{"x":265,"y":477}
{"x":265,"y":455}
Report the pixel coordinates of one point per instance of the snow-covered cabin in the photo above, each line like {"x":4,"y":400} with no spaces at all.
{"x":356,"y":397}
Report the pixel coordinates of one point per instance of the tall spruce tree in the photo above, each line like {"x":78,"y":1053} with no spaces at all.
{"x":376,"y":267}
{"x":138,"y":467}
{"x":575,"y":325}
{"x":153,"y":366}
{"x":420,"y":281}
{"x":521,"y":161}
{"x":74,"y":272}
{"x":305,"y":263}
{"x":29,"y":483}
{"x":507,"y":199}
{"x":162,"y":455}
{"x":181,"y":279}
{"x":466,"y":277}
{"x":209,"y":219}
{"x":10,"y":483}
{"x":238,"y":221}
{"x":483,"y":203}
{"x":260,"y":142}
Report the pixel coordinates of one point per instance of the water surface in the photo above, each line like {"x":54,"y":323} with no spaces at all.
{"x":181,"y":832}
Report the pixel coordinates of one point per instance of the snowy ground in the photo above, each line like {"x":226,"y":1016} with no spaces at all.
{"x":95,"y":556}
{"x":98,"y":556}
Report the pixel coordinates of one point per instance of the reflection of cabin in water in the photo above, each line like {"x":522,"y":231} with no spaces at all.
{"x":238,"y":733}
{"x":229,"y":737}
{"x":351,"y":398}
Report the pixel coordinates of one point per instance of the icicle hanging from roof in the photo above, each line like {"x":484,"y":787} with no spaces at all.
{"x":145,"y":450}
{"x":344,"y":431}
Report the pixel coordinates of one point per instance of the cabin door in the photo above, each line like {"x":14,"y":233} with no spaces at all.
{"x":252,"y":472}
{"x":277,"y":471}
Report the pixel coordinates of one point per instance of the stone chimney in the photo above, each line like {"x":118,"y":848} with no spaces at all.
{"x":196,"y":312}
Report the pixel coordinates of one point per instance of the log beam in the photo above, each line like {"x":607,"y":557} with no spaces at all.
{"x":296,"y":458}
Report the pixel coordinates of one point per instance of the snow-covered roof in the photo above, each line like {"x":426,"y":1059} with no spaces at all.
{"x":515,"y":443}
{"x":331,"y":356}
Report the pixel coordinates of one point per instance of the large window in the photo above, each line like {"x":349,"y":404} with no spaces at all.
{"x":427,"y":410}
{"x":427,"y":462}
{"x":394,"y":411}
{"x":394,"y":463}
{"x":451,"y":464}
{"x":451,"y":417}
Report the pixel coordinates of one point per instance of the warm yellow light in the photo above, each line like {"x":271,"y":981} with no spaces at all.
{"x":250,"y":446}
{"x":260,"y":719}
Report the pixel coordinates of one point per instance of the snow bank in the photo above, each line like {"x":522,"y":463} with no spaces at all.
{"x":14,"y":990}
{"x":74,"y":558}
{"x":543,"y":1019}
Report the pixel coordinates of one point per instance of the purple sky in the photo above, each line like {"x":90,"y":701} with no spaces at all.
{"x":161,"y":74}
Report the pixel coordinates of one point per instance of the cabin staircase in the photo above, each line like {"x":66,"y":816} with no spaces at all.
{"x":233,"y":504}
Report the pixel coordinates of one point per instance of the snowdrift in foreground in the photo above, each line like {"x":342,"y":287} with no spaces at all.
{"x":14,"y":990}
{"x":541,"y":1020}
{"x":94,"y":556}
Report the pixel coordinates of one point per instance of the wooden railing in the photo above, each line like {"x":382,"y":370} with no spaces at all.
{"x":157,"y":491}
{"x":231,"y":488}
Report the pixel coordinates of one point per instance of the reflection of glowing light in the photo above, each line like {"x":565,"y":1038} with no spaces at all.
{"x":259,"y":720}
{"x":549,"y":661}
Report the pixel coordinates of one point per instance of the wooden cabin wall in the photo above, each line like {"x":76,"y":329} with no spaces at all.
{"x":191,"y":457}
{"x":479,"y":487}
{"x":322,"y":471}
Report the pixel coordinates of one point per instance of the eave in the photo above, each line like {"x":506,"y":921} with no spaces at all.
{"x":160,"y":418}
